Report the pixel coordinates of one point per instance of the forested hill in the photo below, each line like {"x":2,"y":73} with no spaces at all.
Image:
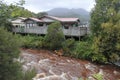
{"x":64,"y":12}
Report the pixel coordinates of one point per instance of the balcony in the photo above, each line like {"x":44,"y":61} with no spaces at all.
{"x":71,"y":31}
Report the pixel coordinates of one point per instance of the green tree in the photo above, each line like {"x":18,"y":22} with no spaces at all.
{"x":17,"y":10}
{"x":54,"y":37}
{"x":105,"y":25}
{"x":5,"y":15}
{"x":41,"y":14}
{"x":9,"y":50}
{"x":107,"y":44}
{"x":102,"y":13}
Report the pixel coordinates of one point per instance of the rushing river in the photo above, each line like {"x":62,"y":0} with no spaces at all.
{"x":52,"y":67}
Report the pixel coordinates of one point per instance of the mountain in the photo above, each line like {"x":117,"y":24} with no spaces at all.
{"x":64,"y":12}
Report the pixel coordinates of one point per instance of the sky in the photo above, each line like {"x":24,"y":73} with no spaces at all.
{"x":45,"y":5}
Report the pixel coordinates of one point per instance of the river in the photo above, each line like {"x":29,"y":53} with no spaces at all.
{"x":50,"y":66}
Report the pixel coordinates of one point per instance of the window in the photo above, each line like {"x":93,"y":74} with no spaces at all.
{"x":31,"y":25}
{"x":40,"y":24}
{"x":16,"y":26}
{"x":66,"y":27}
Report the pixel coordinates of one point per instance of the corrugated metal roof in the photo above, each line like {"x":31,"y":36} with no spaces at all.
{"x":22,"y":18}
{"x":64,"y":19}
{"x":68,"y":19}
{"x":54,"y":18}
{"x":36,"y":19}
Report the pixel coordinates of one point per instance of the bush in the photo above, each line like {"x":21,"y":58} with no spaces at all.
{"x":54,"y":37}
{"x":98,"y":76}
{"x":28,"y":75}
{"x":32,"y":41}
{"x":99,"y":58}
{"x":68,"y":47}
{"x":83,"y":50}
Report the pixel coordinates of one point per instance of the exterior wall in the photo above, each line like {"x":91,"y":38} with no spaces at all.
{"x":30,"y":23}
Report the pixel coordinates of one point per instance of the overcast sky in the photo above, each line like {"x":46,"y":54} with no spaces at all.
{"x":44,"y":5}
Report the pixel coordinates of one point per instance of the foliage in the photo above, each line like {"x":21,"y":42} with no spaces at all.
{"x":105,"y":26}
{"x":5,"y":15}
{"x":54,"y":37}
{"x":83,"y":50}
{"x":9,"y":49}
{"x":32,"y":41}
{"x":105,"y":44}
{"x":98,"y":76}
{"x":68,"y":47}
{"x":41,"y":14}
{"x":18,"y":11}
{"x":103,"y":11}
{"x":28,"y":75}
{"x":8,"y":12}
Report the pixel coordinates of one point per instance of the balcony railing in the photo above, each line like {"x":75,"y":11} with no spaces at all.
{"x":72,"y":31}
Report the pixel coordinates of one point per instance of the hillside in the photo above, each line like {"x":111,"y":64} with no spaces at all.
{"x":64,"y":12}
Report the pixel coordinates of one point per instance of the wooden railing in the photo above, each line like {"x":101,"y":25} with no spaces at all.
{"x":72,"y":31}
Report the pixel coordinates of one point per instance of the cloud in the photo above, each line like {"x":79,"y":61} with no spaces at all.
{"x":43,"y":5}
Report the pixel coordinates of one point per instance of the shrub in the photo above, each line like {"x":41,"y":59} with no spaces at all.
{"x":83,"y":50}
{"x":98,"y":76}
{"x":68,"y":47}
{"x":99,"y":58}
{"x":54,"y":37}
{"x":28,"y":75}
{"x":32,"y":41}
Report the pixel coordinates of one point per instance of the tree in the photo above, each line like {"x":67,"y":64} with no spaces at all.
{"x":5,"y":15}
{"x":102,"y":13}
{"x":17,"y":10}
{"x":41,"y":14}
{"x":108,"y":42}
{"x":105,"y":25}
{"x":9,"y":50}
{"x":54,"y":37}
{"x":7,"y":12}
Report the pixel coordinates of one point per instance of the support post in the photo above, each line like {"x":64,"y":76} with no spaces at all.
{"x":80,"y":33}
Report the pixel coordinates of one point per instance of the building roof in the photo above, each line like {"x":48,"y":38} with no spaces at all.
{"x":68,"y":19}
{"x":63,"y":19}
{"x":22,"y":18}
{"x":34,"y":19}
{"x":53,"y":18}
{"x":18,"y":20}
